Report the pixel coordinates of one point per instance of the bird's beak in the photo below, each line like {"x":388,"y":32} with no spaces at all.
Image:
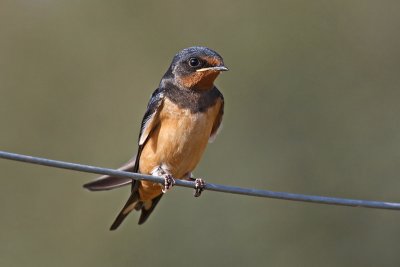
{"x":217,"y":68}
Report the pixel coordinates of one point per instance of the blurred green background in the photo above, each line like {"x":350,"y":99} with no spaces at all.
{"x":312,"y":106}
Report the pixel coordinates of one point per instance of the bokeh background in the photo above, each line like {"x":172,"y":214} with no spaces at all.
{"x":312,"y":106}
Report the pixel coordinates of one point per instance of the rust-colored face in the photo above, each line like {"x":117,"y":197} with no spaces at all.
{"x":203,"y":77}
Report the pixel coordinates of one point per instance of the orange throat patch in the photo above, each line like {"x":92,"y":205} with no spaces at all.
{"x":200,"y":80}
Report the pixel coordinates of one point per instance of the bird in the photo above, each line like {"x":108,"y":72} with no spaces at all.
{"x":183,"y":115}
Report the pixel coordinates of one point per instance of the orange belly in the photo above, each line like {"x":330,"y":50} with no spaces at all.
{"x":176,"y":144}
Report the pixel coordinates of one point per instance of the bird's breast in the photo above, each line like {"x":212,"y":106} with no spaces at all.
{"x":179,"y":140}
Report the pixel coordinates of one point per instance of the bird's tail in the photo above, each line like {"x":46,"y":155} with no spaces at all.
{"x":132,"y":203}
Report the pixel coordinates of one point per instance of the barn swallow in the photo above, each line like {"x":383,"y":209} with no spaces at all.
{"x":184,"y":114}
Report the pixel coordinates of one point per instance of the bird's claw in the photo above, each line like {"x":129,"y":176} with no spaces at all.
{"x":169,"y":182}
{"x":199,"y":187}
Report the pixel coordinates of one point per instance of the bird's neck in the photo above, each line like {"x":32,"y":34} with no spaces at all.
{"x":203,"y":81}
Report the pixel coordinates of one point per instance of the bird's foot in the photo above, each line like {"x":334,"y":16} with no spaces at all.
{"x":199,"y":187}
{"x":169,"y":182}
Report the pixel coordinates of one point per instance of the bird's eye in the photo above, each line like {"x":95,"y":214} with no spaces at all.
{"x":194,"y":62}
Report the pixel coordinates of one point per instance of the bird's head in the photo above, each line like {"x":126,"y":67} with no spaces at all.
{"x":196,"y":68}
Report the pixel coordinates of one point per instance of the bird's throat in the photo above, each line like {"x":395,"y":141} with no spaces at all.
{"x":199,"y":80}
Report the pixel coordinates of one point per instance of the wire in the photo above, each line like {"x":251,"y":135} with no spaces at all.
{"x":208,"y":186}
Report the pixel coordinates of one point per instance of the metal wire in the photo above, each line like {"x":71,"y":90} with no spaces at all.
{"x":208,"y":186}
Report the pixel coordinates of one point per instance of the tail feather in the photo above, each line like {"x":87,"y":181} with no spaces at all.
{"x":146,"y":212}
{"x":132,"y":203}
{"x":107,"y":182}
{"x":135,"y":203}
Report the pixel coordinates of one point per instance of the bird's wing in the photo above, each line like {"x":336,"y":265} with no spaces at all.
{"x":149,"y":122}
{"x":108,"y":182}
{"x":218,"y":120}
{"x":150,"y":119}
